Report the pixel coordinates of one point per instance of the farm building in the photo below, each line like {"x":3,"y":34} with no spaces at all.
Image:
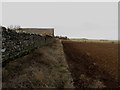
{"x":40,"y":31}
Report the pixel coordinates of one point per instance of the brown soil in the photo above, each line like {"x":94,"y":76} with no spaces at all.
{"x":93,"y":65}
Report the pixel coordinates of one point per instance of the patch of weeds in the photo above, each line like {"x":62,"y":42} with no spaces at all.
{"x":59,"y":84}
{"x":25,"y":84}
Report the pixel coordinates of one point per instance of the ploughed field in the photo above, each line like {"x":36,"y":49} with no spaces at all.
{"x":92,"y":64}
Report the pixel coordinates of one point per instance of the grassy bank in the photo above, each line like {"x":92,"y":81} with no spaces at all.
{"x":43,"y":68}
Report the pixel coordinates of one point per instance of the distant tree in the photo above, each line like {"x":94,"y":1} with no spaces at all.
{"x":17,"y":27}
{"x":11,"y":27}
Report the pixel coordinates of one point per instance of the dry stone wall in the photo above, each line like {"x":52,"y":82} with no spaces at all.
{"x":18,"y":44}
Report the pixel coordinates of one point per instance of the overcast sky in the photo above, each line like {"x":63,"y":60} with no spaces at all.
{"x":73,"y":19}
